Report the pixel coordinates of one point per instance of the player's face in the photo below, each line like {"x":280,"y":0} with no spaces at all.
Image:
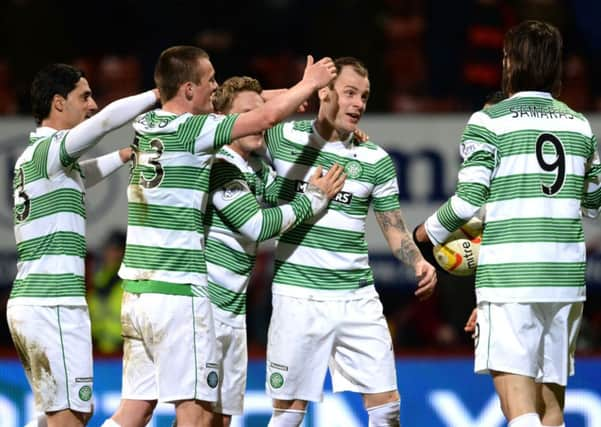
{"x":244,"y":102}
{"x":203,"y":91}
{"x":348,"y":100}
{"x":79,"y":104}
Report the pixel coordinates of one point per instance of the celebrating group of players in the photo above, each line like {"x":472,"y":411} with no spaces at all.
{"x":200,"y":199}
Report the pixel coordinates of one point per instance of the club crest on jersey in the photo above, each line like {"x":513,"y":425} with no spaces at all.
{"x":232,"y":189}
{"x":353,"y":169}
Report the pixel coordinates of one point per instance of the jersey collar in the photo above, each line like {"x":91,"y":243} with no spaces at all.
{"x":531,"y":94}
{"x":41,"y":132}
{"x":234,"y":157}
{"x":348,"y":141}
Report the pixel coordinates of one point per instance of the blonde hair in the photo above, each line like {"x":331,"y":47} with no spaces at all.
{"x":223,"y":98}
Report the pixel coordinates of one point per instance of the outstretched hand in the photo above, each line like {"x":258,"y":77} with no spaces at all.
{"x":332,"y":182}
{"x":319,"y":73}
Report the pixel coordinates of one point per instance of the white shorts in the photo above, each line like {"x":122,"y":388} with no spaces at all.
{"x":54,"y":344}
{"x":232,"y":353}
{"x":351,"y":337}
{"x":536,"y":340}
{"x":168,"y":348}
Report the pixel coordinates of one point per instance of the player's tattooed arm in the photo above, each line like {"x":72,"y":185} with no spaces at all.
{"x":398,"y":236}
{"x":401,"y":243}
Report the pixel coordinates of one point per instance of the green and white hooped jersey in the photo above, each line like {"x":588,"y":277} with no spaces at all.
{"x":235,"y":223}
{"x":166,"y":200}
{"x":327,"y":254}
{"x":533,"y":163}
{"x":49,"y":218}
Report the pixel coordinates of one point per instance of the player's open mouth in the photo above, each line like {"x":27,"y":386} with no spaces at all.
{"x":354,"y":117}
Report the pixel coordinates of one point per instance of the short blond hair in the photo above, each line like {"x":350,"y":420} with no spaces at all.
{"x":223,"y":98}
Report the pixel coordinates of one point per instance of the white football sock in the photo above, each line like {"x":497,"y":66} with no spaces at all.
{"x":527,"y":420}
{"x":386,"y":415}
{"x":286,"y":418}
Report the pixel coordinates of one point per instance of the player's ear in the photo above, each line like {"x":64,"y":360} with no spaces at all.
{"x":58,"y":103}
{"x":324,"y":94}
{"x":188,"y":91}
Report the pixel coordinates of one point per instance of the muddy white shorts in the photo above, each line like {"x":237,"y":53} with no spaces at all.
{"x":55,"y":347}
{"x":536,"y":340}
{"x":168,"y":348}
{"x":348,"y":336}
{"x":233,"y":357}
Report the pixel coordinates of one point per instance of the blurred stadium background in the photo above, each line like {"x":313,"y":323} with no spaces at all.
{"x":431,"y":64}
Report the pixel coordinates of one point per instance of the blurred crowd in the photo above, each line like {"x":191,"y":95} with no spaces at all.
{"x":423,"y":55}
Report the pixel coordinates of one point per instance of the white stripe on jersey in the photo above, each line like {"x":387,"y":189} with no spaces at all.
{"x":315,"y":257}
{"x":507,"y":209}
{"x":61,"y":221}
{"x":174,"y":239}
{"x":531,"y":252}
{"x":51,"y":264}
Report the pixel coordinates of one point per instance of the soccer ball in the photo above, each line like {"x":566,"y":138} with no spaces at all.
{"x":458,"y":255}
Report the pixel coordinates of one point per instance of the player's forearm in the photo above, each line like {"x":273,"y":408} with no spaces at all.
{"x":448,"y":218}
{"x":591,"y":200}
{"x":272,"y":112}
{"x":97,"y":169}
{"x":113,"y":116}
{"x":398,"y":236}
{"x":272,"y":93}
{"x":273,"y":222}
{"x":280,"y":107}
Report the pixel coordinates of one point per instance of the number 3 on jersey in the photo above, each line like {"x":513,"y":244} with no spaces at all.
{"x":21,"y":209}
{"x":559,"y":165}
{"x":152,"y":160}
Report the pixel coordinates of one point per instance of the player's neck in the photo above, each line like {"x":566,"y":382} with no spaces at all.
{"x":55,"y":123}
{"x":237,"y":149}
{"x":327,"y":131}
{"x":177,"y":106}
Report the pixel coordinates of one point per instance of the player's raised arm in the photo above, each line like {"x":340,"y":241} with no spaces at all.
{"x":116,"y":114}
{"x":316,"y":76}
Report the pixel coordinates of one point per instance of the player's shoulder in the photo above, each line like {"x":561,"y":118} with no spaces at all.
{"x":224,"y":171}
{"x":562,"y":106}
{"x":285,"y":133}
{"x":369,"y":145}
{"x":305,"y":126}
{"x":224,"y":161}
{"x":370,"y":151}
{"x":40,"y":140}
{"x":164,"y":122}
